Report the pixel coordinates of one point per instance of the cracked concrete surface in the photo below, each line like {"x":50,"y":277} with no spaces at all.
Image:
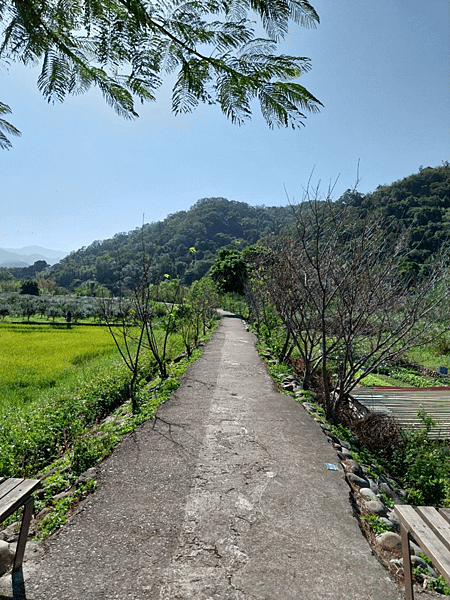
{"x":225,"y":496}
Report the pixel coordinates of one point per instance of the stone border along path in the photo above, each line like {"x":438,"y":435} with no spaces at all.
{"x":224,"y":496}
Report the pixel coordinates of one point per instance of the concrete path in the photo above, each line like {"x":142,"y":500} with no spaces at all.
{"x":226,"y":496}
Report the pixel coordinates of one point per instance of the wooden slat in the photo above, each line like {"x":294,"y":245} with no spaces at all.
{"x":436,"y":522}
{"x":445,"y":512}
{"x":427,"y":540}
{"x":17,"y":495}
{"x":8,"y":486}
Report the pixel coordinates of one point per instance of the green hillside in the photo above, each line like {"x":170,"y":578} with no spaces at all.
{"x":208,"y":226}
{"x":419,"y":203}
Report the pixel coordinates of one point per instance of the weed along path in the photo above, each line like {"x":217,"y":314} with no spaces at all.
{"x":224,"y":496}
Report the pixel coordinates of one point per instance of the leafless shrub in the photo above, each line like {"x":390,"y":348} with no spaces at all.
{"x":378,"y":433}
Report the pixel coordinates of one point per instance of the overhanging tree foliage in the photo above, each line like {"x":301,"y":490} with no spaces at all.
{"x":125,"y":47}
{"x":6,"y":128}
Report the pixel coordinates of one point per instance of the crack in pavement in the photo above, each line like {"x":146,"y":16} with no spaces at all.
{"x":223,"y":504}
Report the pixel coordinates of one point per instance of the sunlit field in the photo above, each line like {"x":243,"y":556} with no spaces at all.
{"x":34,"y":359}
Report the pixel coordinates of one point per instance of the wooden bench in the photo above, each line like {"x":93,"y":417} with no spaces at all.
{"x":15,"y":493}
{"x":431,"y":530}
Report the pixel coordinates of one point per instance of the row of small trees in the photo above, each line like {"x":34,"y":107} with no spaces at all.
{"x":335,"y":289}
{"x":26,"y":306}
{"x":142,"y":322}
{"x":145,"y":320}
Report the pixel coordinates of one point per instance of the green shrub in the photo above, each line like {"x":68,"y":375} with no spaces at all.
{"x":88,"y":451}
{"x":422,"y":466}
{"x":439,"y":585}
{"x":377,"y":524}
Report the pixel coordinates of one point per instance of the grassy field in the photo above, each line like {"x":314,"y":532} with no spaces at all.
{"x":34,"y":359}
{"x":55,"y":384}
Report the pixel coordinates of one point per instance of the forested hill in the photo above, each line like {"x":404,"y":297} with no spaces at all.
{"x":420,"y":203}
{"x":208,"y":226}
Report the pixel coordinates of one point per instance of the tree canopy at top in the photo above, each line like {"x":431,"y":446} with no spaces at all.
{"x":125,"y":47}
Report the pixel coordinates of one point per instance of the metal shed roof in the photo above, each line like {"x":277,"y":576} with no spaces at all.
{"x":403,"y":404}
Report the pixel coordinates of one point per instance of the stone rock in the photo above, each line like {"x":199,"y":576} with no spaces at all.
{"x":288,"y":387}
{"x":351,"y":466}
{"x":358,"y":481}
{"x":385,"y":488}
{"x":387,"y":522}
{"x":390,"y":493}
{"x":345,"y":444}
{"x":414,"y":548}
{"x":376,"y":507}
{"x":288,"y":378}
{"x":368,"y":493}
{"x":89,"y":474}
{"x":365,"y":470}
{"x":417,"y":561}
{"x":6,"y":557}
{"x":394,"y":520}
{"x":391,"y":482}
{"x":373,"y":485}
{"x":345,"y":453}
{"x":61,"y":495}
{"x":11,"y":533}
{"x":390,"y":541}
{"x":334,"y":439}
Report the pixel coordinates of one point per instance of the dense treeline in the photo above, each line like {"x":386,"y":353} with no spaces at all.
{"x":184,"y":244}
{"x":420,"y":204}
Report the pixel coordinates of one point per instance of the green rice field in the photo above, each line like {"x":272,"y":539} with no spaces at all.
{"x":35,"y":358}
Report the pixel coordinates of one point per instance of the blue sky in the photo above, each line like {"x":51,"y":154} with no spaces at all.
{"x":80,"y":173}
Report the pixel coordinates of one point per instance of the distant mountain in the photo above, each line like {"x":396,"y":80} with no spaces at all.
{"x":28,"y":255}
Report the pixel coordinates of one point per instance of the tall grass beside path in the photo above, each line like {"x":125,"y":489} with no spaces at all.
{"x":71,"y":401}
{"x":40,"y":423}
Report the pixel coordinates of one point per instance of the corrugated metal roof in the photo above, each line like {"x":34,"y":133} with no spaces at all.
{"x":403,"y":404}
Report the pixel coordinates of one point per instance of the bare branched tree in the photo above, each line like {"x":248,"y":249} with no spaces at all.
{"x":338,"y":285}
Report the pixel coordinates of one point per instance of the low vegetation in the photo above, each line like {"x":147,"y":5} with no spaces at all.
{"x":37,"y":358}
{"x":60,"y":382}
